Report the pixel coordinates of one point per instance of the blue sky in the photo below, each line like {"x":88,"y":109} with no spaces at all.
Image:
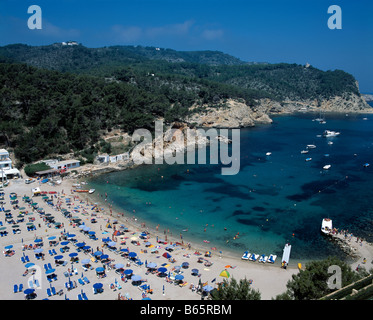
{"x":252,"y":30}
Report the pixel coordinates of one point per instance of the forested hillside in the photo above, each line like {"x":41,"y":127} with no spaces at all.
{"x":57,"y":99}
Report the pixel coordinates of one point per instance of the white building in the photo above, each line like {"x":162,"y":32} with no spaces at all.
{"x":65,"y":164}
{"x":6,"y":168}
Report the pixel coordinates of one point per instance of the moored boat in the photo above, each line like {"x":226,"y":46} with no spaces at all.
{"x":329,"y":133}
{"x":326,"y":226}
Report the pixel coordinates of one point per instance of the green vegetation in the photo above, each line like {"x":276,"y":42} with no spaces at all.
{"x":311,"y":283}
{"x":64,"y":98}
{"x":32,"y":168}
{"x":233,"y":290}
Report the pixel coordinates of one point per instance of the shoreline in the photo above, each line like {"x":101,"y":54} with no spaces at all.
{"x":355,"y":254}
{"x":269,"y":279}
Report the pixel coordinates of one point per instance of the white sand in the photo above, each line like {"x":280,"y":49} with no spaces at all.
{"x":269,"y":279}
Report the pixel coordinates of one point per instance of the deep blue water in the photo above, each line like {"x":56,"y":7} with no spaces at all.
{"x":272,"y":200}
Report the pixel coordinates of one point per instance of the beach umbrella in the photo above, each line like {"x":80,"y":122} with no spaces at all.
{"x":71,"y":235}
{"x":80,"y":244}
{"x":100,"y":269}
{"x":179,"y":277}
{"x":128,"y":271}
{"x":64,"y":243}
{"x":185,"y":265}
{"x":136,"y":278}
{"x":28,"y":291}
{"x":59,"y":257}
{"x":132,"y":254}
{"x":30,"y":264}
{"x":38,"y":240}
{"x":225,"y":274}
{"x":91,"y":232}
{"x":86,"y":247}
{"x":97,"y":253}
{"x":38,"y":250}
{"x":52,"y":238}
{"x":8,"y":247}
{"x":162,"y":270}
{"x":119,"y":265}
{"x":166,"y":255}
{"x":98,"y":285}
{"x":207,"y":288}
{"x":73,"y":254}
{"x":85,"y":261}
{"x":152,"y":265}
{"x":195,"y":271}
{"x":112,"y":244}
{"x":104,"y":256}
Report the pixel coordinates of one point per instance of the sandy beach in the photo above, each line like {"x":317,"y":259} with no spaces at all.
{"x":269,"y":279}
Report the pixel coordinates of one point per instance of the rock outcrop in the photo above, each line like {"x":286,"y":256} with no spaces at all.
{"x":230,"y":114}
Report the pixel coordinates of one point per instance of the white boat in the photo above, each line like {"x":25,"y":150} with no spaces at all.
{"x":366,"y":165}
{"x":326,"y":167}
{"x":286,"y":255}
{"x":326,"y":226}
{"x":330,"y":142}
{"x":268,"y":153}
{"x":245,"y":255}
{"x":329,"y":133}
{"x":311,"y":146}
{"x":308,"y":159}
{"x":263,"y":258}
{"x":254,"y":257}
{"x":91,"y":190}
{"x":304,"y":151}
{"x":272,"y":258}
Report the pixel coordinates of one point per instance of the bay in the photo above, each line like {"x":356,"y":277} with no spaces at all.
{"x":273,"y":200}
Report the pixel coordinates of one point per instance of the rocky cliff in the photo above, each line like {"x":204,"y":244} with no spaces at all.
{"x":237,"y":114}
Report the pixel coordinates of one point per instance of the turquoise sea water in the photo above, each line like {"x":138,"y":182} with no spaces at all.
{"x":272,"y":200}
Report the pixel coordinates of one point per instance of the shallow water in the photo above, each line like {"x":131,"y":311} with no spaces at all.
{"x":272,"y":200}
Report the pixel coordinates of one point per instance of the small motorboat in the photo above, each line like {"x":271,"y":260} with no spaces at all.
{"x":326,"y":226}
{"x":326,"y":167}
{"x":268,"y":153}
{"x":366,"y":165}
{"x":91,"y":191}
{"x":308,"y":159}
{"x":304,"y":151}
{"x":329,"y":133}
{"x":311,"y":146}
